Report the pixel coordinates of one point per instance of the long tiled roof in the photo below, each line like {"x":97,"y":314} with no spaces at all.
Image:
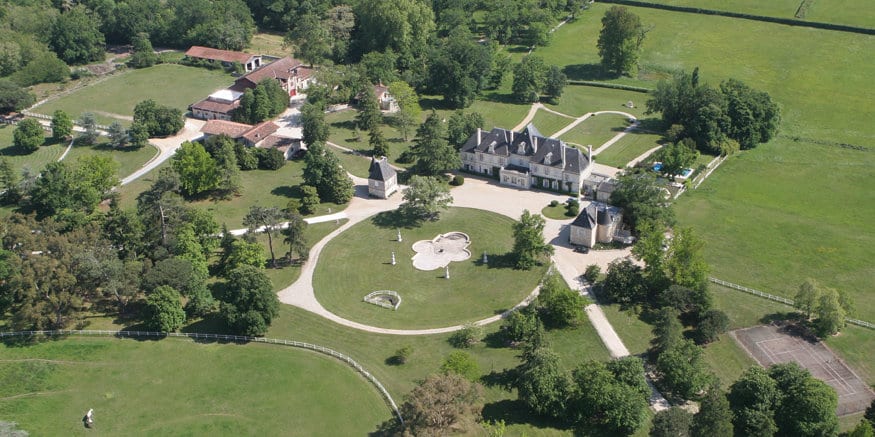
{"x":529,"y":143}
{"x":281,"y":68}
{"x":260,"y":131}
{"x":216,"y":106}
{"x":223,"y":127}
{"x":218,"y":55}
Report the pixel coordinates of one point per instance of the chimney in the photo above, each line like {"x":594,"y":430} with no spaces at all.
{"x":589,"y":152}
{"x":534,"y":145}
{"x":562,"y":147}
{"x":511,"y":137}
{"x":478,"y":136}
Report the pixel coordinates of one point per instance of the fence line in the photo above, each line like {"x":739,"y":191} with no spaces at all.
{"x":49,"y":118}
{"x":235,"y":338}
{"x":780,"y":299}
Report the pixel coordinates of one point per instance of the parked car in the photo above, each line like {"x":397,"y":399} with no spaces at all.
{"x":581,"y":249}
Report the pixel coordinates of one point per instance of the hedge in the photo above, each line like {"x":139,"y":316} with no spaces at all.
{"x":616,"y":86}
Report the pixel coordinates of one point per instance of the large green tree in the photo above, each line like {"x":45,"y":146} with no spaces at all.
{"x":808,"y":297}
{"x":434,"y":155}
{"x":425,"y":197}
{"x":459,"y":68}
{"x":807,"y":405}
{"x":529,"y":77}
{"x":14,"y":97}
{"x":249,"y":303}
{"x":672,"y":422}
{"x":559,"y":305}
{"x":75,"y":36}
{"x":164,"y":310}
{"x":683,"y":369}
{"x":310,"y":39}
{"x":143,"y":54}
{"x":409,"y":110}
{"x":542,"y":383}
{"x":438,"y":405}
{"x":196,"y":168}
{"x":529,"y":246}
{"x":403,"y":26}
{"x":28,"y":135}
{"x":461,"y":125}
{"x":601,"y":399}
{"x":620,"y":40}
{"x":294,"y":236}
{"x":624,"y":283}
{"x":159,"y":120}
{"x":714,"y":418}
{"x":752,"y":399}
{"x":62,"y":125}
{"x":265,"y":220}
{"x":642,"y":199}
{"x":677,"y":156}
{"x":323,"y":171}
{"x":314,"y":127}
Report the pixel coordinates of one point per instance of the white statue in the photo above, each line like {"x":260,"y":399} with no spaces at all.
{"x":89,"y":417}
{"x":447,"y":272}
{"x":393,"y":258}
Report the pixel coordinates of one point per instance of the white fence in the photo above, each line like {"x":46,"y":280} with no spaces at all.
{"x":235,"y":338}
{"x":783,"y":300}
{"x":49,"y":118}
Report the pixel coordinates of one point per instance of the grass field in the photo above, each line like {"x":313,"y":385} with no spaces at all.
{"x":168,"y":84}
{"x":286,"y":275}
{"x":806,"y":214}
{"x":850,"y":12}
{"x":267,"y":44}
{"x":34,"y":161}
{"x":549,"y":123}
{"x":628,"y":148}
{"x":128,"y":160}
{"x":180,"y":387}
{"x":578,"y":99}
{"x":360,"y":264}
{"x":264,"y":188}
{"x":596,"y":130}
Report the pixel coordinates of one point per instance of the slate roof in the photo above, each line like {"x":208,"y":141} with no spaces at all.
{"x":218,"y":55}
{"x":529,"y":143}
{"x":586,"y":219}
{"x":381,"y":170}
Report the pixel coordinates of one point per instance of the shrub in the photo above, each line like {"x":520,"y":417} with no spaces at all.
{"x":461,"y":363}
{"x":592,"y":273}
{"x":457,"y":180}
{"x":164,"y":309}
{"x":572,"y":210}
{"x":270,"y":159}
{"x":467,"y":336}
{"x":713,"y":323}
{"x":554,"y":203}
{"x":402,"y":355}
{"x":28,"y":135}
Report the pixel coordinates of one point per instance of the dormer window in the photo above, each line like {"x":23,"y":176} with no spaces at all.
{"x":492,"y":147}
{"x":548,"y":158}
{"x":521,"y":149}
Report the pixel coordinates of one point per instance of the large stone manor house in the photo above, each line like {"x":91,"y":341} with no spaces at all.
{"x":526,"y":159}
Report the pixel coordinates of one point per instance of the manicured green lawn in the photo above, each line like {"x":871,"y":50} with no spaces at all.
{"x":285,"y":275}
{"x":628,"y":148}
{"x":632,"y":330}
{"x":596,"y":130}
{"x":168,"y":84}
{"x":850,"y":12}
{"x":181,"y":387}
{"x":128,"y":160}
{"x":356,"y":164}
{"x":578,"y":100}
{"x":264,"y":188}
{"x":342,"y":132}
{"x":34,"y":161}
{"x":556,"y":212}
{"x":549,"y":123}
{"x":357,"y":262}
{"x":727,"y":359}
{"x":784,"y":212}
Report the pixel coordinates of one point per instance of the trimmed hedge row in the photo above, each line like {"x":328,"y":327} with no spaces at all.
{"x":778,"y":20}
{"x":616,"y":86}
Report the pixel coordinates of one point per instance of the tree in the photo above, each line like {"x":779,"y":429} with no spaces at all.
{"x":310,"y":39}
{"x":529,"y":244}
{"x":462,"y":364}
{"x":434,"y":155}
{"x":677,"y":156}
{"x":870,"y":413}
{"x":408,"y":106}
{"x":592,"y":272}
{"x":178,"y":273}
{"x":45,"y":67}
{"x":118,"y":137}
{"x":438,"y":404}
{"x":62,"y":125}
{"x":542,"y":383}
{"x":314,"y":127}
{"x":830,"y":313}
{"x":226,"y":164}
{"x":295,"y":237}
{"x":28,"y":135}
{"x":461,"y":126}
{"x":88,"y":123}
{"x":309,"y":199}
{"x":673,"y":422}
{"x":143,"y":55}
{"x":863,"y":429}
{"x":14,"y":97}
{"x":75,"y":36}
{"x":244,"y":253}
{"x":323,"y":171}
{"x":520,"y":326}
{"x":684,"y":262}
{"x":466,"y":337}
{"x":808,"y":297}
{"x":714,"y":418}
{"x":138,"y":134}
{"x":267,"y":221}
{"x":379,"y":146}
{"x":560,"y":306}
{"x":807,"y":405}
{"x":425,"y":197}
{"x":197,"y":170}
{"x":402,"y":26}
{"x":752,"y":398}
{"x":642,"y":200}
{"x":369,"y":116}
{"x":710,"y":326}
{"x":629,"y":370}
{"x":624,"y":283}
{"x":164,"y":310}
{"x":249,"y":304}
{"x":529,"y":77}
{"x":270,"y":159}
{"x":620,"y":40}
{"x":668,"y":331}
{"x":602,"y":400}
{"x":459,"y":68}
{"x":554,"y":83}
{"x":76,"y":189}
{"x":160,"y":120}
{"x":10,"y":192}
{"x":683,"y":369}
{"x":754,"y":117}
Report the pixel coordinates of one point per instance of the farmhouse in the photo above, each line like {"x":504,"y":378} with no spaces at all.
{"x":526,"y":159}
{"x":226,"y":57}
{"x":289,"y":72}
{"x":596,"y":224}
{"x":262,"y":135}
{"x":382,"y":179}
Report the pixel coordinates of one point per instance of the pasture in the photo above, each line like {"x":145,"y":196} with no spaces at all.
{"x":114,"y":99}
{"x":849,"y":12}
{"x":180,"y":387}
{"x":357,"y":262}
